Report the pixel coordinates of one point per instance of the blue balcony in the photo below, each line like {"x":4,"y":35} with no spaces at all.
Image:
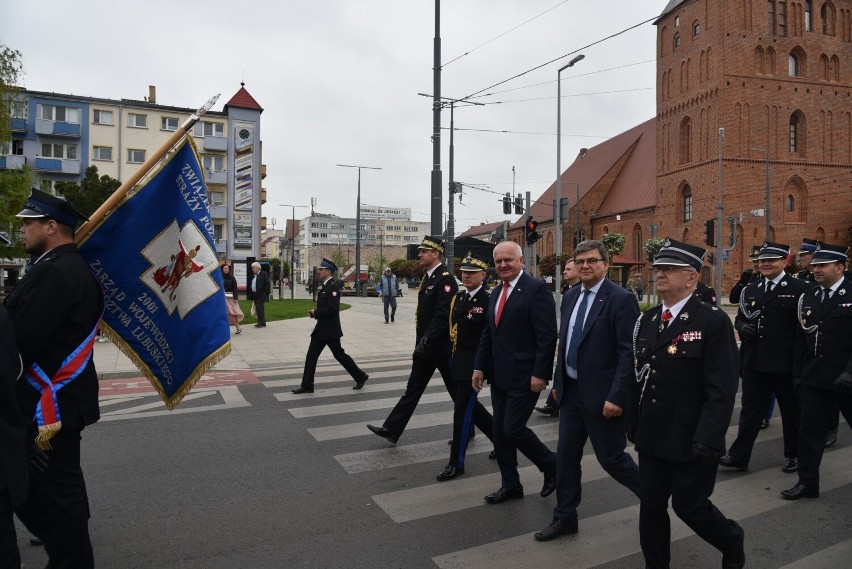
{"x":18,"y":125}
{"x":57,"y":165}
{"x":12,"y":162}
{"x":57,"y":128}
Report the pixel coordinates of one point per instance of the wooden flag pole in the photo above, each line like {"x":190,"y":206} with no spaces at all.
{"x":111,"y":202}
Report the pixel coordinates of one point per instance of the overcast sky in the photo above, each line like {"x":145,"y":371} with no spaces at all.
{"x":339,"y":82}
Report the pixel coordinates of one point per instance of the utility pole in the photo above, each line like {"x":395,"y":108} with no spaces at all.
{"x":720,"y":249}
{"x":436,"y":126}
{"x":359,"y":290}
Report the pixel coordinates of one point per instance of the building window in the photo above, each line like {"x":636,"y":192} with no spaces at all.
{"x":135,"y":156}
{"x":206,"y":128}
{"x":809,"y":22}
{"x":59,"y":114}
{"x":687,"y":204}
{"x":686,"y":141}
{"x":696,"y":29}
{"x":169,"y":123}
{"x":793,"y":65}
{"x":102,"y":117}
{"x":791,"y":203}
{"x":68,"y":151}
{"x":677,"y":41}
{"x":213,"y":163}
{"x":102,"y":153}
{"x":137,"y":121}
{"x":216,"y":198}
{"x":794,"y":133}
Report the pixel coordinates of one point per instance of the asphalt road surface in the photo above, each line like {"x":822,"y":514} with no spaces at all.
{"x":245,"y":474}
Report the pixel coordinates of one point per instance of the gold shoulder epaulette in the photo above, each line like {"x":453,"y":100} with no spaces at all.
{"x":446,"y":273}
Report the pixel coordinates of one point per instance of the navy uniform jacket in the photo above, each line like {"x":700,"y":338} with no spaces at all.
{"x":826,"y":351}
{"x":327,"y":312}
{"x":57,"y":304}
{"x":690,"y":381}
{"x":705,"y":293}
{"x":433,"y":311}
{"x":13,"y":428}
{"x":806,"y":276}
{"x":467,"y":321}
{"x":523,"y":344}
{"x":772,"y":350}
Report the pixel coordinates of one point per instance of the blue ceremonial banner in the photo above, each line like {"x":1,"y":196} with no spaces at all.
{"x":155,"y":258}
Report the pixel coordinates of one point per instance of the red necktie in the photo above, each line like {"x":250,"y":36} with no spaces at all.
{"x":503,"y":296}
{"x":664,"y":319}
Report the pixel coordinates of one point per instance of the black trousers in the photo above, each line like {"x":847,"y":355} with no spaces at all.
{"x":421,"y":372}
{"x":512,"y":410}
{"x":10,"y":557}
{"x":817,"y":417}
{"x":57,"y":506}
{"x":689,"y":484}
{"x":757,"y":395}
{"x":260,"y":308}
{"x":315,"y":349}
{"x":467,"y":411}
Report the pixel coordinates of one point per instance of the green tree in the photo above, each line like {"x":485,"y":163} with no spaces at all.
{"x":275,"y":267}
{"x":90,"y":193}
{"x":652,"y":247}
{"x":11,"y":69}
{"x":548,"y":266}
{"x":338,"y":257}
{"x":613,"y":242}
{"x":14,"y":189}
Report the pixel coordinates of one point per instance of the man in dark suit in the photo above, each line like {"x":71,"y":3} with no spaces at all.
{"x":594,"y":366}
{"x":260,"y":289}
{"x":468,"y":314}
{"x":13,"y":445}
{"x":55,"y":311}
{"x":823,"y":361}
{"x":767,"y":322}
{"x":680,"y":408}
{"x":517,"y":344}
{"x":328,"y":332}
{"x":432,"y":349}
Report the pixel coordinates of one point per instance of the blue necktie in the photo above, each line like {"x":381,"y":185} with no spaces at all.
{"x":577,"y":331}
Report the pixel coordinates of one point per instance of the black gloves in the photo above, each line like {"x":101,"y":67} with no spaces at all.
{"x":843,"y":383}
{"x":421,"y":347}
{"x":745,"y":277}
{"x":748,"y":332}
{"x":38,"y":459}
{"x":705,"y":455}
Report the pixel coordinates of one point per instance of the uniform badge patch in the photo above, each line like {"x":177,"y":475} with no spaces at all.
{"x":672,"y":349}
{"x":334,"y":293}
{"x":447,"y":288}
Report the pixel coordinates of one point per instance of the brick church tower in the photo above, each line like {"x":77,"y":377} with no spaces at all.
{"x":776,"y":75}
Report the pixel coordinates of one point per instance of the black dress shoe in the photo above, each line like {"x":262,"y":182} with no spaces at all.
{"x":549,"y":484}
{"x":360,"y":382}
{"x":384,"y":433}
{"x":36,"y":541}
{"x":548,"y":410}
{"x":831,"y":438}
{"x":300,"y":390}
{"x":555,"y":529}
{"x":764,"y":423}
{"x":449,"y":473}
{"x":730,"y":462}
{"x":260,"y":325}
{"x":799,"y":491}
{"x":734,"y":558}
{"x":790,"y":465}
{"x":504,"y":494}
{"x":492,"y":455}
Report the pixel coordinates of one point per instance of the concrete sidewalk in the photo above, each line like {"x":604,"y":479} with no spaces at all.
{"x":283,"y":344}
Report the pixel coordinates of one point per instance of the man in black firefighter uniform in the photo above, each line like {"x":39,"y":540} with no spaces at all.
{"x":747,"y":276}
{"x":55,"y":310}
{"x":823,"y":361}
{"x":681,"y":406}
{"x":468,"y":313}
{"x":767,"y":323}
{"x":804,"y":258}
{"x":432,"y":347}
{"x":328,"y":332}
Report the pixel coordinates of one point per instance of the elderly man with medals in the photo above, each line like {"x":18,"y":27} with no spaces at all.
{"x":680,"y":408}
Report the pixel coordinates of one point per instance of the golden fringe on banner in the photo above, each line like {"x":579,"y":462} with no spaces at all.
{"x":171,"y":402}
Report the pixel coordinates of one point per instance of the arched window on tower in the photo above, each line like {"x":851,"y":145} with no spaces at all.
{"x":809,"y":21}
{"x":827,"y":15}
{"x":795,"y":200}
{"x":686,"y":140}
{"x":793,"y":65}
{"x":797,"y":133}
{"x":790,"y":203}
{"x":686,"y":194}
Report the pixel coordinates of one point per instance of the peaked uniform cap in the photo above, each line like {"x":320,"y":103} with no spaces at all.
{"x":432,"y":243}
{"x":755,"y":252}
{"x":473,"y":263}
{"x":770,"y":250}
{"x":43,"y":205}
{"x":807,"y":247}
{"x":325,"y":263}
{"x":679,"y":254}
{"x":827,"y":253}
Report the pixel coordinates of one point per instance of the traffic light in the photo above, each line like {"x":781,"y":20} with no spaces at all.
{"x":531,"y":227}
{"x":710,"y":232}
{"x":507,"y":203}
{"x":519,"y":205}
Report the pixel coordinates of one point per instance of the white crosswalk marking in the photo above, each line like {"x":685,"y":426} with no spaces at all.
{"x":230,"y":395}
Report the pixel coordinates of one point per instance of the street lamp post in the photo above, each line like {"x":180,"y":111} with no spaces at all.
{"x":766,"y":205}
{"x":558,"y":214}
{"x":293,"y":234}
{"x":359,"y":290}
